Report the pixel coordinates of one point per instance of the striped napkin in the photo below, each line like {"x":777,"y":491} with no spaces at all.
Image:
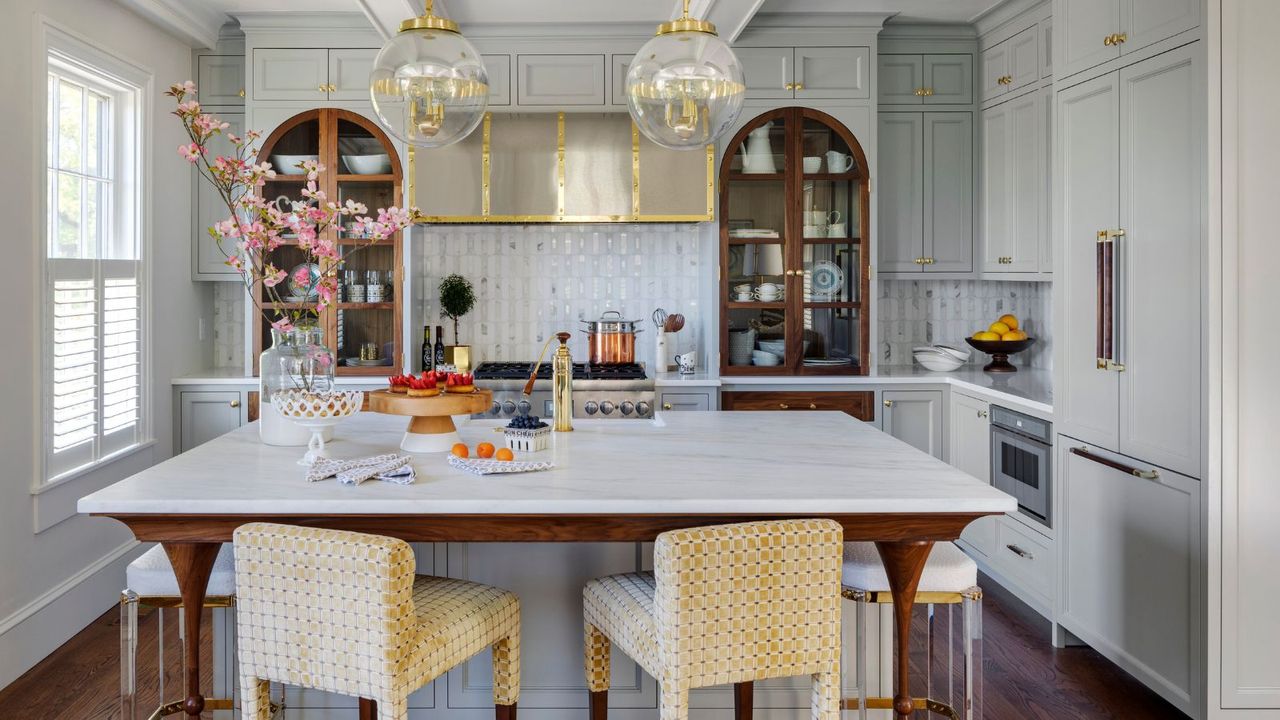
{"x":490,"y":467}
{"x":389,"y":468}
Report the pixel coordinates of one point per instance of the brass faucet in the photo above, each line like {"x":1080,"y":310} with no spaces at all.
{"x":561,"y":382}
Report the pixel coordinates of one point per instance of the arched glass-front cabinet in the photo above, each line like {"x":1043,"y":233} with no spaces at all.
{"x":794,"y":227}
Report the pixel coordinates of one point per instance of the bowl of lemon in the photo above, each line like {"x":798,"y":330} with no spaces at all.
{"x":1000,"y":340}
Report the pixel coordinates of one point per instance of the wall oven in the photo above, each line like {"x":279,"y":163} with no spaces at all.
{"x":1022,"y":461}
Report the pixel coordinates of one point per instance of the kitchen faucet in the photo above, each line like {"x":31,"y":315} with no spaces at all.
{"x":561,"y":382}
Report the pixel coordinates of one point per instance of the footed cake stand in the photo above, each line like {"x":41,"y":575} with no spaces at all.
{"x":317,"y":411}
{"x":431,"y":428}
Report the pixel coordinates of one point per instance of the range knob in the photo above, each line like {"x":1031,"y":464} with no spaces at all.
{"x":627,"y":407}
{"x":606,"y":407}
{"x":591,"y":407}
{"x":508,"y":407}
{"x":643,"y":409}
{"x":496,"y":409}
{"x":524,"y":407}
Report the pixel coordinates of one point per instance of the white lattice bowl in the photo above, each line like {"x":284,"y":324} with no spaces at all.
{"x":317,"y":411}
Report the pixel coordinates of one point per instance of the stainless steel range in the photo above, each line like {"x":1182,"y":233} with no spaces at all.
{"x":621,"y":392}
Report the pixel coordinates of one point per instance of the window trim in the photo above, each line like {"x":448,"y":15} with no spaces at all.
{"x":136,"y":93}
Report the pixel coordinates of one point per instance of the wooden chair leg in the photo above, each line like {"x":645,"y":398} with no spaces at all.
{"x":505,"y":712}
{"x":368,"y":709}
{"x":600,"y":705}
{"x":743,"y":700}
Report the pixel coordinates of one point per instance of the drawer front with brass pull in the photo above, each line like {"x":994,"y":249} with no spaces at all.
{"x":1024,"y":555}
{"x":685,"y":401}
{"x":856,"y":404}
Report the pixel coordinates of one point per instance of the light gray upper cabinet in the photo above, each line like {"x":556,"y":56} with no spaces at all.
{"x":1013,"y":176}
{"x":291,"y":74}
{"x":900,"y":78}
{"x":560,"y":80}
{"x":914,"y":417}
{"x":806,"y":73}
{"x":925,"y":192}
{"x":942,"y":79}
{"x":220,"y":79}
{"x":498,"y":68}
{"x":970,"y":451}
{"x":209,"y":261}
{"x":349,"y":70}
{"x":1046,"y":179}
{"x":618,"y":67}
{"x":1091,"y":32}
{"x":769,"y":71}
{"x":1011,"y":65}
{"x":1150,"y":21}
{"x":204,"y":416}
{"x":1130,"y":165}
{"x":1046,"y":48}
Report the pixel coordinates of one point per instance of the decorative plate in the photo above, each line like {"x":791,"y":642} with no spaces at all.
{"x":826,"y":279}
{"x":309,"y":290}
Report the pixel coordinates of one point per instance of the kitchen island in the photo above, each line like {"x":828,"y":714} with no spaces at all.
{"x":613,"y":481}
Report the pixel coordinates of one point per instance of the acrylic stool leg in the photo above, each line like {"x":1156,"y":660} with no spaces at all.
{"x":128,"y":655}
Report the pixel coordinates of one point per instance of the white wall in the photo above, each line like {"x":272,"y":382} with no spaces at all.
{"x":54,"y":582}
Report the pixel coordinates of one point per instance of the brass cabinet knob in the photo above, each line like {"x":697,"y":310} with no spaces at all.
{"x":799,"y":86}
{"x":323,"y":88}
{"x":919,"y":261}
{"x":888,"y":403}
{"x":784,"y":406}
{"x":789,"y":86}
{"x":982,"y":413}
{"x":928,"y":92}
{"x":234,"y":403}
{"x":333,"y":88}
{"x":929,"y":261}
{"x":1121,"y":37}
{"x":241,"y":92}
{"x":919,"y":92}
{"x":666,"y":406}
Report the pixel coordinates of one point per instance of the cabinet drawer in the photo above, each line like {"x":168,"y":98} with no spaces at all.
{"x":685,"y":401}
{"x":860,"y":405}
{"x":1025,"y":555}
{"x":560,"y":79}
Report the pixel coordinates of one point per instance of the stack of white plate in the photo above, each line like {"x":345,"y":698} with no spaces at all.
{"x":940,"y":358}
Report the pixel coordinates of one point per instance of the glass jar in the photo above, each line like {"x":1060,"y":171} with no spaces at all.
{"x":296,"y":360}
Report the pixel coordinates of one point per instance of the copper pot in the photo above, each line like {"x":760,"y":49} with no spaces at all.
{"x":612,"y":340}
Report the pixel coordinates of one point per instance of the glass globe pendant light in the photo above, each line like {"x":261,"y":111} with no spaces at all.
{"x":685,"y":87}
{"x":429,"y":87}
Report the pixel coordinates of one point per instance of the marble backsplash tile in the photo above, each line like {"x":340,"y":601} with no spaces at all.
{"x":922,"y":312}
{"x":533,"y":281}
{"x":228,"y":325}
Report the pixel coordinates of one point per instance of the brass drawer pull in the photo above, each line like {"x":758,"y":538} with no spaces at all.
{"x":888,"y":403}
{"x":1020,"y":552}
{"x":1127,"y":469}
{"x":783,"y":406}
{"x":813,"y":406}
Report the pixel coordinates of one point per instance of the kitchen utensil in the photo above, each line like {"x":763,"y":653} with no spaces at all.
{"x":837,"y":230}
{"x":812,"y":164}
{"x":288,"y":164}
{"x":685,"y":362}
{"x":826,"y":280}
{"x":675,"y":323}
{"x":771,"y":288}
{"x":765,"y":359}
{"x":744,"y":297}
{"x":757,"y":156}
{"x":379,"y":164}
{"x":779,"y":347}
{"x":1000,"y":350}
{"x":838,"y":162}
{"x":611,"y":340}
{"x":938,"y":362}
{"x":742,"y":288}
{"x":660,"y":350}
{"x":660,"y":317}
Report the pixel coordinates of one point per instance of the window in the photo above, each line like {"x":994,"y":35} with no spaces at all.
{"x":94,"y":326}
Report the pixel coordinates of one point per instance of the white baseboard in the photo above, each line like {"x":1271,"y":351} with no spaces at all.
{"x":35,"y":630}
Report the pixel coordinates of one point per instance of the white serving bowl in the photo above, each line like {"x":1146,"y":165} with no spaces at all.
{"x":961,"y":354}
{"x":937,"y":361}
{"x":288,"y":164}
{"x":765,"y":359}
{"x":379,"y":164}
{"x":779,"y":347}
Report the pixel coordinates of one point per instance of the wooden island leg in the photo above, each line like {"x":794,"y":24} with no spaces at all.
{"x":903,"y":563}
{"x":368,"y":709}
{"x":192,"y":563}
{"x":743,"y":700}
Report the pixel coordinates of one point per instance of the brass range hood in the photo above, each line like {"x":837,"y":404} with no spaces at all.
{"x":526,"y":168}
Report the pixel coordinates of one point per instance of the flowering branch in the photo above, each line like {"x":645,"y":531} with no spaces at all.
{"x":257,"y":227}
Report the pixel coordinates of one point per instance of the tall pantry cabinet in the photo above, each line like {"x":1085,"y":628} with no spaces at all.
{"x":1129,"y":222}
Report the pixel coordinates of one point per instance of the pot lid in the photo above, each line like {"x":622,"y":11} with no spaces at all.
{"x":611,"y":321}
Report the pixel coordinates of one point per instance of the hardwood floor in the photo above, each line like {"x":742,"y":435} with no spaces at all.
{"x":1025,"y":677}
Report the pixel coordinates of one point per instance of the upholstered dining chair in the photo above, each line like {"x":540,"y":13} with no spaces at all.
{"x":343,"y":612}
{"x":724,"y":604}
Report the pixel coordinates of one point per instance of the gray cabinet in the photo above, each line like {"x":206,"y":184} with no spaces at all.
{"x":498,"y":68}
{"x":208,"y":261}
{"x":349,"y":70}
{"x":312,"y":74}
{"x":205,"y":415}
{"x":969,"y":450}
{"x":220,"y":79}
{"x":914,"y":417}
{"x":1088,"y":30}
{"x":685,"y":401}
{"x":1013,"y":177}
{"x":560,"y":80}
{"x":900,"y":79}
{"x":925,"y":192}
{"x":1130,"y":567}
{"x":1011,"y":65}
{"x":618,"y":67}
{"x":939,"y":79}
{"x":806,"y":73}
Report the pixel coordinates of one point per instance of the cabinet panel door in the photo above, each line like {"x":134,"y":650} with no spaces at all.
{"x":349,"y":70}
{"x":221,"y":79}
{"x":997,"y":188}
{"x":915,"y":417}
{"x":1150,"y":21}
{"x":291,"y":74}
{"x":1046,"y":179}
{"x":1130,"y":568}
{"x":1162,"y":192}
{"x":970,"y":451}
{"x":210,"y":262}
{"x":1024,"y":58}
{"x":498,"y":67}
{"x":1082,"y":26}
{"x":900,"y":191}
{"x":995,"y":65}
{"x":207,"y":415}
{"x":1027,"y":177}
{"x":1046,"y":48}
{"x":618,"y":67}
{"x":950,"y":77}
{"x":948,"y":191}
{"x":1088,"y":117}
{"x":768,"y":71}
{"x":832,"y":73}
{"x":899,"y":78}
{"x":560,"y":79}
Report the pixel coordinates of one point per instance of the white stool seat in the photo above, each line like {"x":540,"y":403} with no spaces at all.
{"x":151,"y":575}
{"x":948,"y":569}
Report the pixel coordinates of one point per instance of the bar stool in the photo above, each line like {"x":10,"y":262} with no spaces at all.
{"x":725,"y":604}
{"x":950,"y":578}
{"x":150,"y":581}
{"x":343,"y":612}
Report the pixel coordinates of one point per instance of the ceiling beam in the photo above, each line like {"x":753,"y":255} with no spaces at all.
{"x":729,"y":16}
{"x":196,"y":23}
{"x":386,"y":15}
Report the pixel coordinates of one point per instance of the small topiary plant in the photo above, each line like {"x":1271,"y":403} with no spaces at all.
{"x":457,"y":297}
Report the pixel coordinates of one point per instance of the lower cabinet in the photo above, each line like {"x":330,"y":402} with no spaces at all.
{"x":685,"y":401}
{"x":860,"y":405}
{"x":970,"y":451}
{"x":914,"y":417}
{"x":205,"y":415}
{"x":1131,"y":566}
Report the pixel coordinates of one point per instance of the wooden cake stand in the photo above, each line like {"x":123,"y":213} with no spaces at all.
{"x":431,"y":427}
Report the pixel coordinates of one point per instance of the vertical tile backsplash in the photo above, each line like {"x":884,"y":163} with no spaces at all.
{"x":922,"y":312}
{"x":533,"y":281}
{"x":228,"y":325}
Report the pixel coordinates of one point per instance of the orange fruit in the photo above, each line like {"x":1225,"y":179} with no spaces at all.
{"x":460,"y":450}
{"x":1010,"y":320}
{"x":505,"y":454}
{"x":484,"y":450}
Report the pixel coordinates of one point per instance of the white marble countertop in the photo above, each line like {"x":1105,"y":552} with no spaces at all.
{"x":683,"y":462}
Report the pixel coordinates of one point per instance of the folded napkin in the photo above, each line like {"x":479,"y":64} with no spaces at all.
{"x":490,"y":467}
{"x":390,"y":468}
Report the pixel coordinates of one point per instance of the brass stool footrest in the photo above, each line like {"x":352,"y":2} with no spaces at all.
{"x":884,"y":703}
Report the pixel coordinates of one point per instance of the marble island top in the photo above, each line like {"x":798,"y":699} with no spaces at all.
{"x":691,"y":462}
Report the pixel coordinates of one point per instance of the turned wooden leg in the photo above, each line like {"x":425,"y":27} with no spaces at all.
{"x":743,"y":699}
{"x":505,"y":712}
{"x":192,"y":563}
{"x":368,"y":709}
{"x":599,"y":705}
{"x":903,"y":563}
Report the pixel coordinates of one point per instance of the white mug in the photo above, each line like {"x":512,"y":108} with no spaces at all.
{"x":769,"y":288}
{"x":833,"y":217}
{"x":838,"y":162}
{"x":742,"y":288}
{"x":812,"y":164}
{"x":743,"y":297}
{"x":685,"y":362}
{"x":837,"y":230}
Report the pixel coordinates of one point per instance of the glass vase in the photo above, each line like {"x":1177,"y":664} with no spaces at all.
{"x":297,"y":360}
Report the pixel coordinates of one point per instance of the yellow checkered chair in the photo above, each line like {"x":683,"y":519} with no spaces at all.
{"x":725,"y":604}
{"x":343,"y":612}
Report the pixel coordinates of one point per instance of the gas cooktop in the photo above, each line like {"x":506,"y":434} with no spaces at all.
{"x":581,"y":371}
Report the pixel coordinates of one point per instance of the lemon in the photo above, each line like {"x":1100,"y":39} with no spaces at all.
{"x":1013,"y":335}
{"x":999,"y":328}
{"x":1010,"y":320}
{"x":986,"y":335}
